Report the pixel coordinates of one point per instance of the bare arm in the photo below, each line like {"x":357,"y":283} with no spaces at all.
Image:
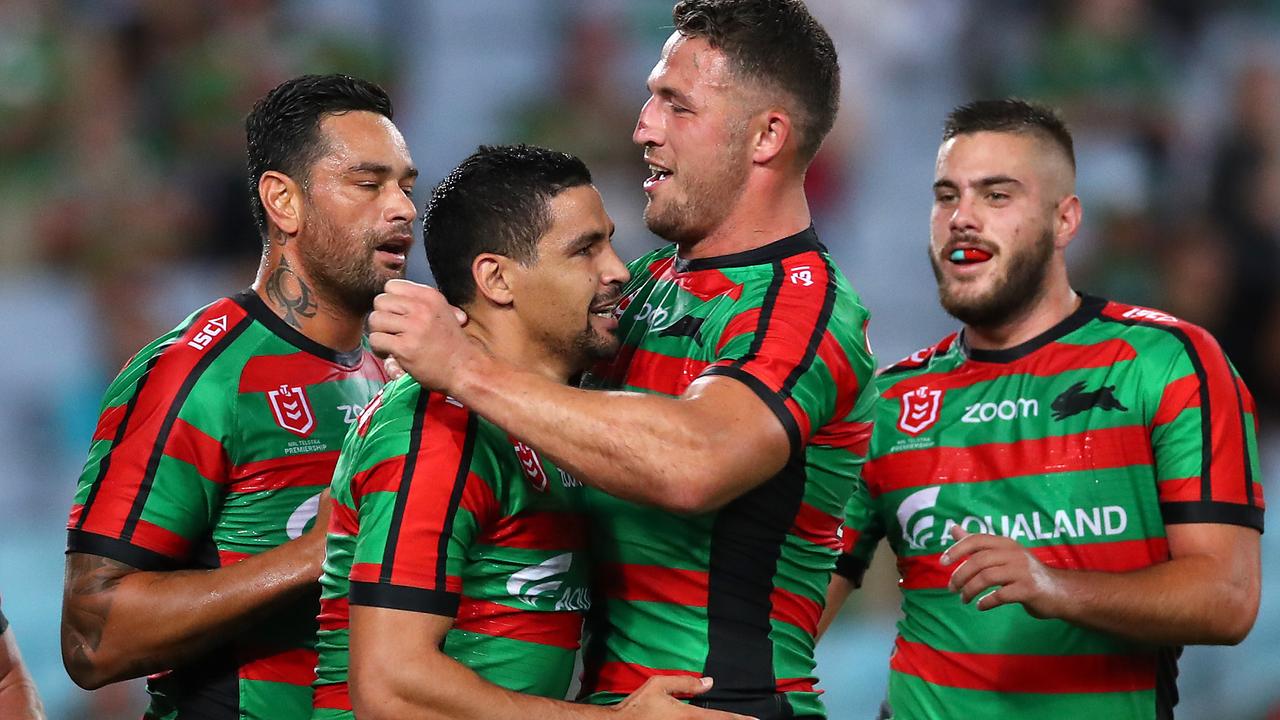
{"x":838,"y":591}
{"x":18,"y":697}
{"x":399,"y":671}
{"x":688,"y":454}
{"x":119,"y":622}
{"x":1207,"y":593}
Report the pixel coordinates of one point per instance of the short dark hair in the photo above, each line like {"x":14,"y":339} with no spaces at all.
{"x":282,"y":130}
{"x":496,"y":201}
{"x":1011,"y":115}
{"x":778,"y":44}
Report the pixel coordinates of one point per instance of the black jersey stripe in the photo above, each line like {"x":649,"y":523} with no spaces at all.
{"x":816,"y":335}
{"x":766,"y":313}
{"x":171,"y":416}
{"x":401,"y":597}
{"x":105,"y":465}
{"x":746,"y":545}
{"x":406,"y":479}
{"x":1244,"y":442}
{"x":1212,"y":512}
{"x":455,"y":498}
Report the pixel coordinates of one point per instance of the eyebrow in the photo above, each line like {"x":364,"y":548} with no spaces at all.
{"x":380,"y":169}
{"x":981,"y":182}
{"x":589,"y":238}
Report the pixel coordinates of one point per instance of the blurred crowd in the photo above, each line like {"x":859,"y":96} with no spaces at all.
{"x":123,"y":200}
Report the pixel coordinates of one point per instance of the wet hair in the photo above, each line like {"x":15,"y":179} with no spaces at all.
{"x":495,"y":201}
{"x":1011,"y":115}
{"x":283,"y":129}
{"x":778,"y":45}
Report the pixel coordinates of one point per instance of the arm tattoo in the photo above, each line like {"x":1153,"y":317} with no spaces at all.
{"x":291,"y":294}
{"x":90,"y":582}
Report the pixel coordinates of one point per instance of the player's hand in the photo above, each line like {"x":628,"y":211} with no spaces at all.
{"x":415,"y":325}
{"x":987,"y":561}
{"x":656,"y":700}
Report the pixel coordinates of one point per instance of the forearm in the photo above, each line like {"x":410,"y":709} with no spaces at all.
{"x":442,"y":688}
{"x":1179,"y":602}
{"x":118,"y":625}
{"x":838,"y":591}
{"x":644,"y":448}
{"x":18,"y":697}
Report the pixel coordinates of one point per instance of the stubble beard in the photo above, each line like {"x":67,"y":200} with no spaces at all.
{"x":342,"y":266}
{"x":709,"y":196}
{"x":1008,"y":297}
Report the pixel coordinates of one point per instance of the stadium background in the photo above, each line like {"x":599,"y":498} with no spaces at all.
{"x":122,"y":204}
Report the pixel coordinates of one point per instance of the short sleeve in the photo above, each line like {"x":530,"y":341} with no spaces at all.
{"x":860,"y":533}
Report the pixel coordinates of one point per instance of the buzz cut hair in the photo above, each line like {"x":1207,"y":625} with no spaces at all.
{"x":1011,"y":115}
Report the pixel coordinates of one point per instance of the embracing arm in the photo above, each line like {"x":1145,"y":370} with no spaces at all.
{"x":119,"y":622}
{"x":18,"y":697}
{"x":1207,"y":593}
{"x":688,"y":454}
{"x":398,"y":670}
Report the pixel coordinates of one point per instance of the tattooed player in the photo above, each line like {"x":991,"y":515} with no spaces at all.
{"x":189,"y":557}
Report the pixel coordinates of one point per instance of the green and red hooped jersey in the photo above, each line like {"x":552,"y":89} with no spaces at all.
{"x":436,"y":510}
{"x":734,"y":594}
{"x":213,"y":445}
{"x":1082,"y":444}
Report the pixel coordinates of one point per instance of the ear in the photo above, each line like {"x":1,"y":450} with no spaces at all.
{"x":492,"y":274}
{"x":282,"y":201}
{"x":1066,"y":221}
{"x":772,"y":129}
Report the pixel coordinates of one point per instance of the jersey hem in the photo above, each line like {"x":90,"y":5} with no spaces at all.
{"x":401,"y":597}
{"x":89,"y":543}
{"x":1177,"y":513}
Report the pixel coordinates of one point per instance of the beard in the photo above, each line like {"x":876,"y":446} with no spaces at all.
{"x":342,"y":265}
{"x":1008,"y":297}
{"x":709,"y":194}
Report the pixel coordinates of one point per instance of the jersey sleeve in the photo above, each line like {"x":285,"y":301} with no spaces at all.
{"x":158,"y":462}
{"x":1204,"y":437}
{"x":418,"y":514}
{"x":803,"y":350}
{"x":860,"y":533}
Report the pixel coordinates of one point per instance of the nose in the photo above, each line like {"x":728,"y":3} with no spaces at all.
{"x":646,"y":132}
{"x":615,"y":271}
{"x":400,"y":209}
{"x":964,"y":216}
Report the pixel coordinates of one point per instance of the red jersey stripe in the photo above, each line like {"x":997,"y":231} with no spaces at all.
{"x":1178,"y":395}
{"x":743,"y":322}
{"x":335,"y":613}
{"x":662,"y":374}
{"x":852,"y":436}
{"x":268,"y":372}
{"x":795,"y":609}
{"x":558,"y":629}
{"x":1089,"y":450}
{"x":920,"y":572}
{"x":1025,"y":673}
{"x":793,"y":317}
{"x":162,"y":540}
{"x":652,"y":583}
{"x":231,"y":557}
{"x":626,"y":678}
{"x":295,"y":667}
{"x":331,"y":697}
{"x":313,"y":474}
{"x":816,"y":526}
{"x":109,"y":423}
{"x":538,"y":531}
{"x":478,"y":499}
{"x":191,"y":445}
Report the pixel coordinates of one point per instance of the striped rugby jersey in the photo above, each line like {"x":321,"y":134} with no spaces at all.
{"x":1082,"y":444}
{"x":436,"y":510}
{"x":213,"y":445}
{"x":736,"y":593}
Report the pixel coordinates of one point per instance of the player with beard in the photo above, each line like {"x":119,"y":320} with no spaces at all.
{"x":456,"y":575}
{"x":736,"y":417}
{"x":189,"y":557}
{"x":1082,"y":473}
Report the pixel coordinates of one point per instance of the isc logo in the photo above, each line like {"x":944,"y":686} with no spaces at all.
{"x":211,"y":330}
{"x":1138,"y":313}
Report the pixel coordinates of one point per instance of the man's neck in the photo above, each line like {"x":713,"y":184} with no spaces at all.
{"x":764,"y":213}
{"x":506,"y":342}
{"x":284,"y":287}
{"x":1048,"y":311}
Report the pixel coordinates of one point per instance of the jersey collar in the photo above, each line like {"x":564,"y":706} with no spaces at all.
{"x":1089,"y":309}
{"x":803,"y":241}
{"x":258,"y":310}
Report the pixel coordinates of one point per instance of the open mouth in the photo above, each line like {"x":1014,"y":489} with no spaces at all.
{"x":968,"y":256}
{"x":394,"y":249}
{"x":657,"y":174}
{"x":605,"y":308}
